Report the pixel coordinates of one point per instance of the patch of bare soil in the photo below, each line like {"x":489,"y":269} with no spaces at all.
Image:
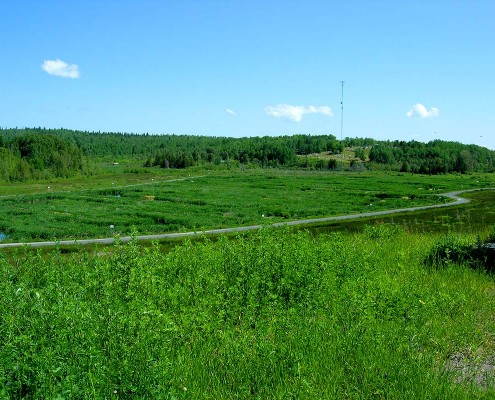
{"x":468,"y":370}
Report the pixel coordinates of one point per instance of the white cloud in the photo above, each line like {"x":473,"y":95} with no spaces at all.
{"x":296,"y":113}
{"x":229,"y":111}
{"x":60,"y":68}
{"x":420,"y":111}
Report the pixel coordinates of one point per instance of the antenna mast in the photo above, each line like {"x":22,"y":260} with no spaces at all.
{"x":342,"y":111}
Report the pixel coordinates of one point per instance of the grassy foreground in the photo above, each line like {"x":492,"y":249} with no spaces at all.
{"x":275,"y":314}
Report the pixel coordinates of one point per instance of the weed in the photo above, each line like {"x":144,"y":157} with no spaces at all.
{"x":270,"y":314}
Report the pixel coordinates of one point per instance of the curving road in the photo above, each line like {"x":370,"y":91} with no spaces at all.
{"x":453,"y":195}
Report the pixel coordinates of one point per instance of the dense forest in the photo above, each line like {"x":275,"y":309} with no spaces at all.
{"x":39,"y":153}
{"x":38,"y":156}
{"x":435,"y":157}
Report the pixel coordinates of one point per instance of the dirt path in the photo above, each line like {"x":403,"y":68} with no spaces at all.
{"x":453,"y":195}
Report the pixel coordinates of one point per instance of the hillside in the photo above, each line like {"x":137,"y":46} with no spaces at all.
{"x":43,"y":153}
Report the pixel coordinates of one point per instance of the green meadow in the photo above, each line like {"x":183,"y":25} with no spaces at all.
{"x":78,"y":208}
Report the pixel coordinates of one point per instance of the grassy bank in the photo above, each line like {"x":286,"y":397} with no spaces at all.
{"x":274,"y":314}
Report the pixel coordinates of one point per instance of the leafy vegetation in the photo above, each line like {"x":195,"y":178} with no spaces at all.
{"x":219,"y":200}
{"x":452,"y":249}
{"x":39,"y":157}
{"x":274,"y":314}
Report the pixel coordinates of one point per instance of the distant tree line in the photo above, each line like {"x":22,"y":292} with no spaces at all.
{"x":181,"y":151}
{"x":435,"y":157}
{"x":36,"y":153}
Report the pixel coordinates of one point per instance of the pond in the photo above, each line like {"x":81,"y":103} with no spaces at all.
{"x":3,"y":236}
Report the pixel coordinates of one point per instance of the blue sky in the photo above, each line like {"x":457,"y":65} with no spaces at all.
{"x":419,"y":70}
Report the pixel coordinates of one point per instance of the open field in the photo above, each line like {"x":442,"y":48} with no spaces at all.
{"x":276,"y":315}
{"x":158,"y":204}
{"x":107,"y":175}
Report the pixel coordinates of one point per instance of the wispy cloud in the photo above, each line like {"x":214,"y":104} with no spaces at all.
{"x":60,"y":68}
{"x":229,"y":111}
{"x":296,"y":113}
{"x":420,"y":111}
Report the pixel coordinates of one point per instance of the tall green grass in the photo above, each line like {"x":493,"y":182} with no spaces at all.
{"x":274,"y":314}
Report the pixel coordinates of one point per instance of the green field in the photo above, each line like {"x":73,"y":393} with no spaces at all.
{"x":154,"y":203}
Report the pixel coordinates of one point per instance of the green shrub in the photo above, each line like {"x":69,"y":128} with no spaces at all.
{"x":451,"y":249}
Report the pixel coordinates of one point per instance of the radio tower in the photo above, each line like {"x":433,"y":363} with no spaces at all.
{"x":342,"y":111}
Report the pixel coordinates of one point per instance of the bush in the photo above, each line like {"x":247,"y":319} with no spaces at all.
{"x":453,"y":250}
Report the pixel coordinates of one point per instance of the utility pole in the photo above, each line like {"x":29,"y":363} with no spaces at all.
{"x":342,"y":111}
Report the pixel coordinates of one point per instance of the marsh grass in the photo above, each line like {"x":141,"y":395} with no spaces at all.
{"x":216,"y":201}
{"x":274,"y":314}
{"x":467,"y":218}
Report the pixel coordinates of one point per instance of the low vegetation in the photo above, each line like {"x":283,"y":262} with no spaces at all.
{"x":218,"y":200}
{"x":273,"y":314}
